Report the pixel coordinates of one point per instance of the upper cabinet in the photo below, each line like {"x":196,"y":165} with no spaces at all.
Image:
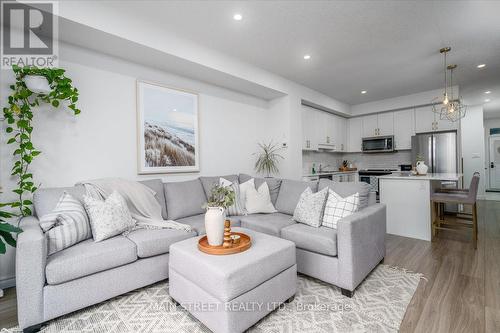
{"x":322,"y":130}
{"x":385,"y":123}
{"x":354,"y":134}
{"x":340,"y":133}
{"x":428,"y":121}
{"x":378,"y":124}
{"x":404,"y":129}
{"x":309,"y":133}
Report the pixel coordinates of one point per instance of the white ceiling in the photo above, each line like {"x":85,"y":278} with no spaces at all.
{"x":385,"y":47}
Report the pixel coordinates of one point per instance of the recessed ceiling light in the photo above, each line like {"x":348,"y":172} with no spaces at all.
{"x":363,"y":91}
{"x":307,"y":57}
{"x":487,"y":100}
{"x":237,"y":17}
{"x":481,"y":66}
{"x":487,"y":92}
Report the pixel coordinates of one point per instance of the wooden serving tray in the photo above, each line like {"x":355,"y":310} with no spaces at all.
{"x":244,"y":244}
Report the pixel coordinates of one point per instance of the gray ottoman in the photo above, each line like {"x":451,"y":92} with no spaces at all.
{"x":231,"y":293}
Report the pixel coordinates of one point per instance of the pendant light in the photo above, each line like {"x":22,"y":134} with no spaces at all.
{"x":449,"y":107}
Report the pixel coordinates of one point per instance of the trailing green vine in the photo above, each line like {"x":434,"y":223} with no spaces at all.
{"x":19,"y":117}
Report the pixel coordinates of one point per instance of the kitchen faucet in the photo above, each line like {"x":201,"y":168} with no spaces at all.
{"x":321,"y":167}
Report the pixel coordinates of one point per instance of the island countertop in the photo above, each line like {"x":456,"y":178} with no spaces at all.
{"x":429,"y":176}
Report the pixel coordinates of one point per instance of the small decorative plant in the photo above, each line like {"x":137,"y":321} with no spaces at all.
{"x":6,"y":229}
{"x":420,"y":158}
{"x":268,"y":158}
{"x":221,"y":196}
{"x":54,"y":88}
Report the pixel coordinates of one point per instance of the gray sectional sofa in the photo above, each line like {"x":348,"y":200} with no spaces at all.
{"x":88,"y":272}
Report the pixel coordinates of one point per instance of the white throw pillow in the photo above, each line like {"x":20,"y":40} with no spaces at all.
{"x":259,"y":201}
{"x":310,"y":207}
{"x":243,"y":191}
{"x":66,"y":225}
{"x":235,"y":209}
{"x":108,"y":217}
{"x":337,"y":208}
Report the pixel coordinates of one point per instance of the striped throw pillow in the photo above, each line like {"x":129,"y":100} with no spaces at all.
{"x":236,"y":209}
{"x":66,"y":225}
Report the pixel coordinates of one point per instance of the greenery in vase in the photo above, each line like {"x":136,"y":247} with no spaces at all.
{"x":420,"y":158}
{"x":221,"y":196}
{"x":268,"y":158}
{"x":19,"y":118}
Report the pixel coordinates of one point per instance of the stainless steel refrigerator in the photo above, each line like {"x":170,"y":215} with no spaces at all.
{"x":440,"y":152}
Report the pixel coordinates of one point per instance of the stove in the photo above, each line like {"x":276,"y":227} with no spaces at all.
{"x":370,"y":176}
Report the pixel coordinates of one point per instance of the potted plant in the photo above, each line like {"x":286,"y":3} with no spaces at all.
{"x":7,"y":231}
{"x":220,"y":198}
{"x":268,"y":159}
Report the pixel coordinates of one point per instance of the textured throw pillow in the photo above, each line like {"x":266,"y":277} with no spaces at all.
{"x":66,"y":225}
{"x":108,"y":217}
{"x":259,"y":201}
{"x":309,"y":210}
{"x":244,"y":187}
{"x":337,"y":208}
{"x":236,"y":209}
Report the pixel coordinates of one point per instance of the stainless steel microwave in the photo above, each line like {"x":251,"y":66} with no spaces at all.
{"x":378,"y":144}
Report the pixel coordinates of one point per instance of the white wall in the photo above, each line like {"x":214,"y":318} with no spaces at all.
{"x":400,"y":102}
{"x":101,"y":141}
{"x":473,"y":154}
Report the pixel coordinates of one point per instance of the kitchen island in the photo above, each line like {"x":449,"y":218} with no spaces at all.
{"x":407,"y":198}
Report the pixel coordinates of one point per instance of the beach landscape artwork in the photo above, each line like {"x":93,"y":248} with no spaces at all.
{"x":167,"y":129}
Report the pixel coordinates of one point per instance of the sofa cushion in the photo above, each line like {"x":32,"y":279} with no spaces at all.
{"x":198,"y":222}
{"x":310,"y":208}
{"x":89,"y":257}
{"x":184,"y":198}
{"x":46,"y":199}
{"x":209,"y":182}
{"x":270,"y":224}
{"x":320,"y":240}
{"x":290,"y":191}
{"x":157,"y":186}
{"x":273,"y":184}
{"x":151,"y":242}
{"x":345,"y":189}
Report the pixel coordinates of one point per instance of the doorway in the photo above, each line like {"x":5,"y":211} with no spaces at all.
{"x":494,"y":163}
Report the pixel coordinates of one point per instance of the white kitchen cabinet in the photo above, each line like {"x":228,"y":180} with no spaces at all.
{"x":340,"y":137}
{"x":378,"y":124}
{"x":370,"y":125}
{"x":309,"y":131}
{"x":404,"y":129}
{"x":385,"y":123}
{"x":428,"y":121}
{"x":354,"y":134}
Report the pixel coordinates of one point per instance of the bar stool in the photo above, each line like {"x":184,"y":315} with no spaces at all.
{"x":456,"y":196}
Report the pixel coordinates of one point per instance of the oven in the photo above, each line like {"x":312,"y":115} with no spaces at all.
{"x":370,"y":176}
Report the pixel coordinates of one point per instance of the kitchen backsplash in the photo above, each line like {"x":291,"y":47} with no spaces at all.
{"x":330,"y":161}
{"x":361,"y":161}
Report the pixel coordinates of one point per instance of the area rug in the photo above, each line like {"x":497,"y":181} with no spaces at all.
{"x":378,"y":305}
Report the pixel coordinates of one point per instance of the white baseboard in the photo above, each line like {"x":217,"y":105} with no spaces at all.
{"x":8,"y":283}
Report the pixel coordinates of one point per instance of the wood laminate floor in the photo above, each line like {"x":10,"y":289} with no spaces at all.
{"x":461,"y":289}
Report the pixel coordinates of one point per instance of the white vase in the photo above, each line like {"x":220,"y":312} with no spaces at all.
{"x":37,"y":84}
{"x":214,"y":225}
{"x":422,"y":168}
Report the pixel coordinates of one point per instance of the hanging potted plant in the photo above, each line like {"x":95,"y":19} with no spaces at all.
{"x":33,"y":87}
{"x":220,"y":198}
{"x":268,"y":159}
